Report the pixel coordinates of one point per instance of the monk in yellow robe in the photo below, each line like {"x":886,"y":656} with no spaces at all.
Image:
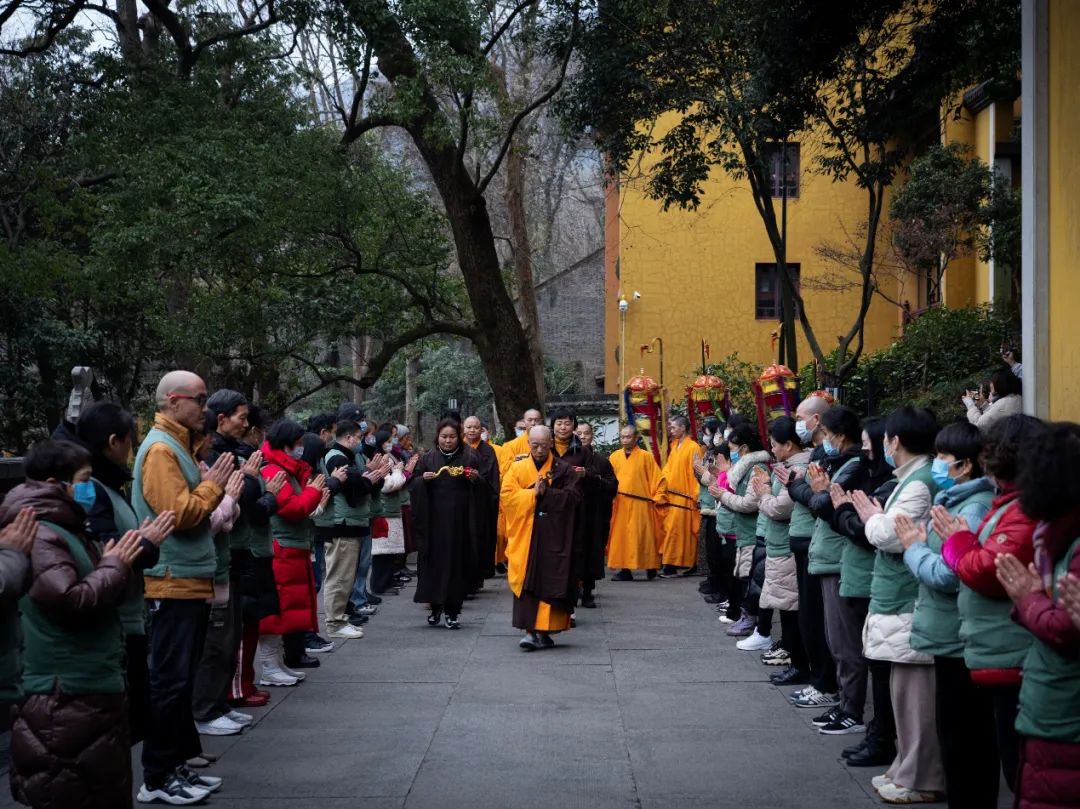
{"x":682,"y":523}
{"x":637,"y":518}
{"x":517,"y":447}
{"x":541,"y":498}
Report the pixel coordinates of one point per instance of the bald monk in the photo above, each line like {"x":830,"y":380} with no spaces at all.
{"x":517,"y":447}
{"x":683,"y":520}
{"x":637,"y":519}
{"x":541,"y":498}
{"x":472,"y":430}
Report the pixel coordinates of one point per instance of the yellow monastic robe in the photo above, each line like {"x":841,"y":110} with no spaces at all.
{"x":518,"y":500}
{"x":683,"y":520}
{"x":637,"y":522}
{"x":507,"y":453}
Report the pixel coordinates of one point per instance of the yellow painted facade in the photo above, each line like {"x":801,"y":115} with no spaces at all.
{"x":695,"y":272}
{"x":1063,"y":329}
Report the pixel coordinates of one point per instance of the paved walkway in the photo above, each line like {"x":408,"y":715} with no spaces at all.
{"x":645,"y":704}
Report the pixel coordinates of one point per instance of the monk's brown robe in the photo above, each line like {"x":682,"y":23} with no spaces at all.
{"x":544,"y":542}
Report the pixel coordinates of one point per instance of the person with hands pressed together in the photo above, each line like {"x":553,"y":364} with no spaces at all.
{"x":1048,"y":722}
{"x":69,"y":733}
{"x":292,"y":532}
{"x":828,"y":634}
{"x":107,"y":431}
{"x":994,"y":646}
{"x":719,"y":525}
{"x":748,"y":457}
{"x":781,"y":590}
{"x":878,"y":748}
{"x":351,"y":505}
{"x":168,"y":477}
{"x":473,"y":433}
{"x":916,"y":775}
{"x":964,"y":710}
{"x":1069,"y":589}
{"x":446,"y":493}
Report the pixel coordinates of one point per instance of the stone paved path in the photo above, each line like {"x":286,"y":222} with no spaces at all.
{"x":646,"y":704}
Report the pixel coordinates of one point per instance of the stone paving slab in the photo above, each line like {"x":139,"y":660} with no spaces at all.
{"x":646,"y":705}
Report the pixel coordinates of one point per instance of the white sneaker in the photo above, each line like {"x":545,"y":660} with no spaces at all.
{"x":878,"y":781}
{"x":244,"y":719}
{"x":299,"y":676}
{"x":894,"y":793}
{"x":348,"y":632}
{"x":724,"y":619}
{"x":222,"y":726}
{"x":367,"y":609}
{"x":176,"y":792}
{"x":755,"y":643}
{"x":276,"y":677}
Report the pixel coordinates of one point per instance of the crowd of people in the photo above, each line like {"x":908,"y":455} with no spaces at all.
{"x":930,"y":571}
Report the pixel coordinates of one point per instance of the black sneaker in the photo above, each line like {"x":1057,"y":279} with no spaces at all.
{"x":373,"y":599}
{"x":452,"y":622}
{"x":317,"y":645}
{"x":669,"y":572}
{"x":305,"y":661}
{"x":843,"y":724}
{"x":650,"y":574}
{"x":623,"y":575}
{"x":500,"y":569}
{"x":706,"y":588}
{"x":176,"y":792}
{"x":827,"y":717}
{"x":355,"y":620}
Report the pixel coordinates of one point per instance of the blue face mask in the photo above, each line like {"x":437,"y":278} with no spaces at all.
{"x":830,"y":450}
{"x":84,"y":494}
{"x":735,"y":455}
{"x":889,"y":459}
{"x":939,"y":470}
{"x":804,"y":432}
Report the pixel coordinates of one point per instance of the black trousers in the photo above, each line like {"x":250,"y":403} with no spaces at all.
{"x":737,"y":597}
{"x":210,"y":698}
{"x":792,"y":639}
{"x":884,"y":719}
{"x":812,"y":622}
{"x":968,"y":736}
{"x":383,"y":568}
{"x":138,"y":686}
{"x":720,"y":558}
{"x":1006,"y":700}
{"x":293,"y":647}
{"x":175,"y":634}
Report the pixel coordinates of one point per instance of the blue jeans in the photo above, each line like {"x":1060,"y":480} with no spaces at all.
{"x":320,"y":563}
{"x":363,"y":568}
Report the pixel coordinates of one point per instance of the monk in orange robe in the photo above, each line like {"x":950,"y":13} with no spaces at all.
{"x":541,"y":498}
{"x":517,"y":447}
{"x":637,"y":517}
{"x":682,"y":522}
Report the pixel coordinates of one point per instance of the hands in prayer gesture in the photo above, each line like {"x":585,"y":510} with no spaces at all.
{"x":945,"y":524}
{"x":1017,"y":580}
{"x":908,"y":531}
{"x":158,"y":530}
{"x":20,"y":532}
{"x":865,"y":505}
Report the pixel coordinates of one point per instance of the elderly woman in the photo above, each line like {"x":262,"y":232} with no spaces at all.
{"x":446,"y":515}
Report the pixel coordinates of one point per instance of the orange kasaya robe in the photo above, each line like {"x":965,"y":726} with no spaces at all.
{"x":507,"y":453}
{"x":683,"y":520}
{"x":518,"y":501}
{"x":637,"y":521}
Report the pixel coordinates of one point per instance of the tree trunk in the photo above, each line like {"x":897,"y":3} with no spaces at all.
{"x":412,"y":420}
{"x":521,"y":247}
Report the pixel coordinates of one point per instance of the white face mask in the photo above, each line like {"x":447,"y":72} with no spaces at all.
{"x":518,"y":431}
{"x":297,"y":452}
{"x":483,"y":435}
{"x":727,"y":433}
{"x":370,"y":440}
{"x":387,"y":447}
{"x":717,"y":440}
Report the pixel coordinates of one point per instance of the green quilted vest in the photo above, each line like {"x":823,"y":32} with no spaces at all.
{"x":991,"y":639}
{"x":84,"y":658}
{"x":893,"y":589}
{"x":1050,"y":692}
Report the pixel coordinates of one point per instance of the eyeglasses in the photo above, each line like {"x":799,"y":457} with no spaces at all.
{"x":200,"y":400}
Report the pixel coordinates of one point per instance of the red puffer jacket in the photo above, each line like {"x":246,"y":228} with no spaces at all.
{"x":975,"y":566}
{"x":293,"y":573}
